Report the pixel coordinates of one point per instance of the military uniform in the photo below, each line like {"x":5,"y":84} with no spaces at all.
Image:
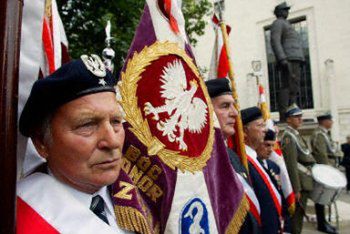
{"x":298,"y":160}
{"x":322,"y":147}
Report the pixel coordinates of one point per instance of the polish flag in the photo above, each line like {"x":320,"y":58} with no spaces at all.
{"x":219,"y":66}
{"x":43,"y":50}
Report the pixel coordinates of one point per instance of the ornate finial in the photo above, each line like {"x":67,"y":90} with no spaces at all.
{"x":108,"y":53}
{"x":219,"y":7}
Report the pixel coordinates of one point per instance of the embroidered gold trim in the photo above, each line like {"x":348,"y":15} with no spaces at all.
{"x":131,"y":219}
{"x":238,"y":218}
{"x":135,"y":66}
{"x":291,"y":209}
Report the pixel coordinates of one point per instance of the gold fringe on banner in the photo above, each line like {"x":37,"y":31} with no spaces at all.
{"x":132,"y":220}
{"x":239,"y":216}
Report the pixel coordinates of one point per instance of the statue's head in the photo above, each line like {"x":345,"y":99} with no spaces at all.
{"x":281,"y":10}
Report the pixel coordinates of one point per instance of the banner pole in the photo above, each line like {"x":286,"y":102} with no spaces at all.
{"x":10,"y":28}
{"x":239,"y":124}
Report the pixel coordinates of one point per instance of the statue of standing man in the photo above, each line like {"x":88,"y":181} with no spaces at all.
{"x":288,"y":51}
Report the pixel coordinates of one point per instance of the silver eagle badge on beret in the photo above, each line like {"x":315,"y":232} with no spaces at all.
{"x":94,"y":64}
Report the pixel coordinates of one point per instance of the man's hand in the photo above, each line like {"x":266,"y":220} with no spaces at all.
{"x":297,"y":196}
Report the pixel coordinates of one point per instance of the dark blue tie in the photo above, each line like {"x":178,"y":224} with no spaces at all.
{"x":98,"y":207}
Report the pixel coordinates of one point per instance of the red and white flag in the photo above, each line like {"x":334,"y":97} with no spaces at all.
{"x":277,"y":156}
{"x":286,"y":185}
{"x":43,"y":50}
{"x":54,"y":39}
{"x":219,"y":66}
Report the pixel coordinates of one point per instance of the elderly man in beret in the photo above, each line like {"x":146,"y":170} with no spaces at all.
{"x":269,"y":198}
{"x":221,"y":96}
{"x":73,"y":119}
{"x":323,"y":147}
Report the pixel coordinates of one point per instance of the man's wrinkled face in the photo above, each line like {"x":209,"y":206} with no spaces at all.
{"x":265,"y":149}
{"x":255,"y":132}
{"x":87,"y":139}
{"x":226,"y":112}
{"x":295,"y":121}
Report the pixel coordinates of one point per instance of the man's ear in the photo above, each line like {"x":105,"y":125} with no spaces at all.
{"x":40,"y":146}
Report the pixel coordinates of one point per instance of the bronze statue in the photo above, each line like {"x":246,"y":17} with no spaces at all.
{"x":288,"y":51}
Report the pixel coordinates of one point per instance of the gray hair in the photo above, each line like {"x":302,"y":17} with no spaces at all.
{"x":43,"y":130}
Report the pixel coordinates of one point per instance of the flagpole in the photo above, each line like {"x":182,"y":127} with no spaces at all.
{"x":10,"y":25}
{"x":239,"y":124}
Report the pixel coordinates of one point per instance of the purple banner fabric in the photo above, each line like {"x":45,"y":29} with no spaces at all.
{"x":144,"y":191}
{"x":225,"y":190}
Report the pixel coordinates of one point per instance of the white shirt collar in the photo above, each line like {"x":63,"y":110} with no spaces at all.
{"x":86,"y":198}
{"x":250,"y":152}
{"x":264,"y":162}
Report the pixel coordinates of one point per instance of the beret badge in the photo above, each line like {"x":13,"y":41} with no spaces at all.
{"x":94,"y":64}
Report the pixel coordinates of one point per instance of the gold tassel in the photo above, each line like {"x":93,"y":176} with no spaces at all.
{"x":239,"y":216}
{"x":131,"y":219}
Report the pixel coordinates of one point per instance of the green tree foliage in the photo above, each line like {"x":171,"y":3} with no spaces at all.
{"x":85,"y":21}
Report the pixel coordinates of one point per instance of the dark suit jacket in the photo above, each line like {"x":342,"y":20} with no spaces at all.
{"x":346,"y":150}
{"x":274,"y":170}
{"x":269,"y":215}
{"x":250,"y":225}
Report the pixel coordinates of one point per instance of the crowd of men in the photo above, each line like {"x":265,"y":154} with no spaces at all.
{"x":264,"y":174}
{"x":81,"y":136}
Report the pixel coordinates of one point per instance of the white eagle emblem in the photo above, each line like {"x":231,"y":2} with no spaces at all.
{"x":185,"y":111}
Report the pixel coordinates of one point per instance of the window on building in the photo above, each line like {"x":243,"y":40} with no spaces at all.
{"x":305,"y":100}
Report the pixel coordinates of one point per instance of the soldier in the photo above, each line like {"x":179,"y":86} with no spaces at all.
{"x":221,"y":96}
{"x":288,"y":51}
{"x":322,"y":148}
{"x":298,"y":160}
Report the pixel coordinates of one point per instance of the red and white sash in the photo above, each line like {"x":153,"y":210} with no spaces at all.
{"x":286,"y":185}
{"x":45,"y":206}
{"x":276,"y":197}
{"x":254,"y":205}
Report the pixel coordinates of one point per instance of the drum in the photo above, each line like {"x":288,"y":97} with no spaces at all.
{"x":328,"y":183}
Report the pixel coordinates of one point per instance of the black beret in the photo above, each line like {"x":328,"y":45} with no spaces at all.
{"x":293,"y":110}
{"x":270,"y":135}
{"x":217,"y":87}
{"x":250,"y":114}
{"x":324,"y":116}
{"x":77,"y":78}
{"x":281,"y":6}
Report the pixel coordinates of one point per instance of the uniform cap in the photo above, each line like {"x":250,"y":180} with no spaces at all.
{"x":293,"y":110}
{"x":324,"y":116}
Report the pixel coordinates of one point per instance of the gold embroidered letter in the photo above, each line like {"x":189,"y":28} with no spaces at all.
{"x":123,"y":193}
